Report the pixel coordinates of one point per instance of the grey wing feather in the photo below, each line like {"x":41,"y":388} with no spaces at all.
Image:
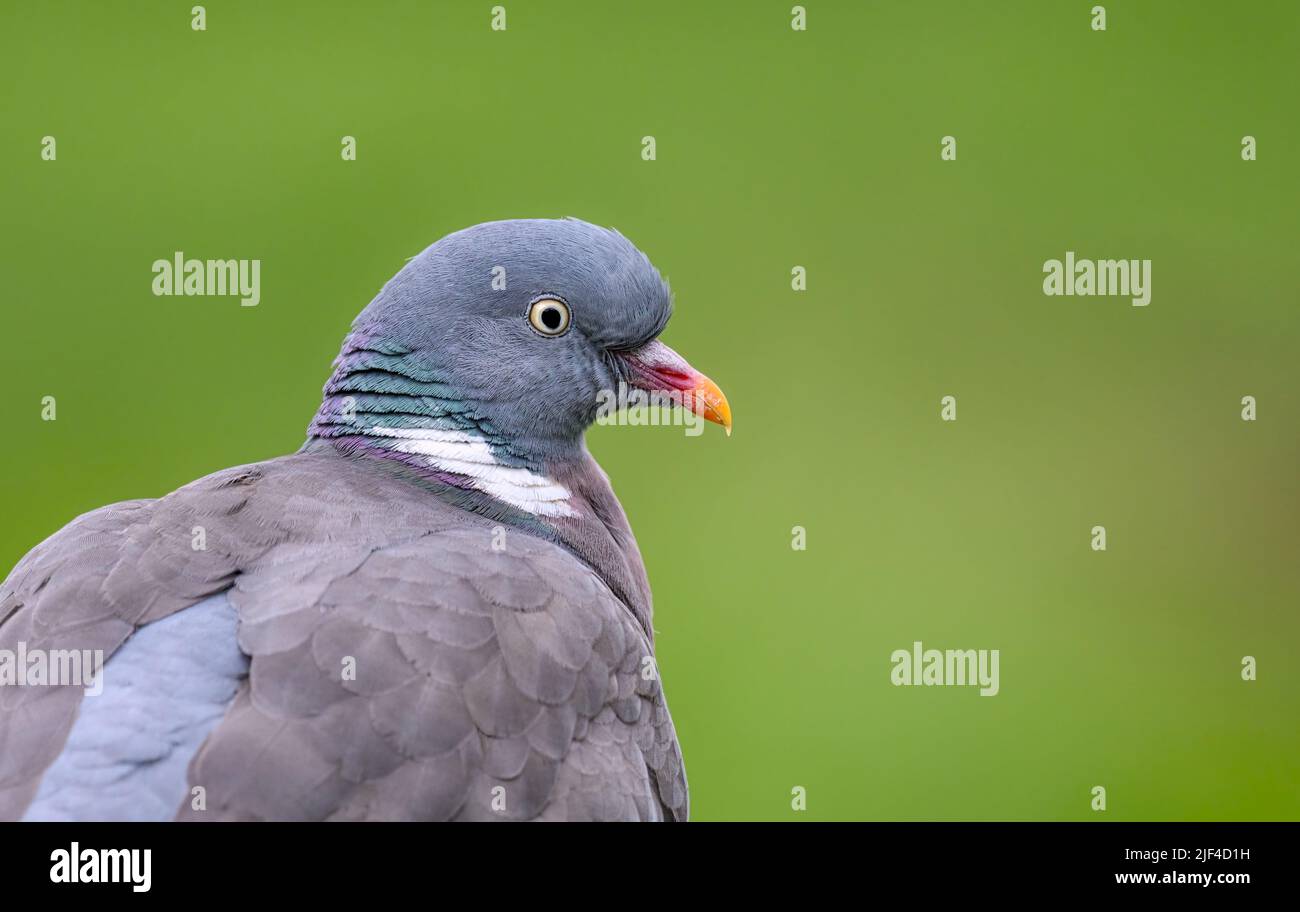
{"x":438,"y":679}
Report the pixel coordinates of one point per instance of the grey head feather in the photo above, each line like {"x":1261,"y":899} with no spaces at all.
{"x":538,"y":392}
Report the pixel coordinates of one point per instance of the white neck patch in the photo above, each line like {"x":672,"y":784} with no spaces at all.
{"x":465,"y":454}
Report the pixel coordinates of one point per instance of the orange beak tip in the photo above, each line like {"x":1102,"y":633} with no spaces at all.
{"x":716,"y":408}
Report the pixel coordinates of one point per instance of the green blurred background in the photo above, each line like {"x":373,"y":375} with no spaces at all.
{"x":775,"y":148}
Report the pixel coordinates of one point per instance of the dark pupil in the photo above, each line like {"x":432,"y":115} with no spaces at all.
{"x":551,"y":318}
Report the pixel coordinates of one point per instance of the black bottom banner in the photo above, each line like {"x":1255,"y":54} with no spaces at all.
{"x":336,"y":861}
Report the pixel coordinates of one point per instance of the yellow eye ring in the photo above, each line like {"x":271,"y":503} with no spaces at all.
{"x":549,"y":315}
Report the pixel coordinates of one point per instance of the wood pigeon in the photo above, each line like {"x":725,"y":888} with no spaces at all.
{"x":434,"y":610}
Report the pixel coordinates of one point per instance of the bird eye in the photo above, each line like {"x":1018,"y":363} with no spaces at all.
{"x":549,"y":316}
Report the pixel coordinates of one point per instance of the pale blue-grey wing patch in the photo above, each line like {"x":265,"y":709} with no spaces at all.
{"x":57,"y":587}
{"x":164,"y":690}
{"x":107,"y":572}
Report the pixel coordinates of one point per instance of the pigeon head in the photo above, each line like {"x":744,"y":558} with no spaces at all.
{"x":486,"y":357}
